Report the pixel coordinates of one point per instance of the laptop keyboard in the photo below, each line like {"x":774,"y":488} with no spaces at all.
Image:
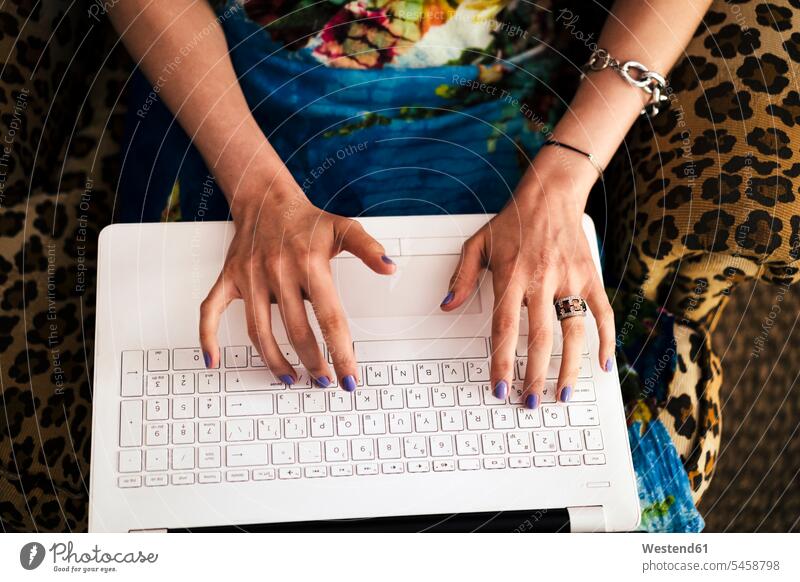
{"x":182,"y":424}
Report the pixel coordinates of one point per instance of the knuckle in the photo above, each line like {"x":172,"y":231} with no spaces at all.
{"x":538,"y":339}
{"x":331,"y":322}
{"x":502,"y":363}
{"x":206,"y":309}
{"x":299,"y":332}
{"x":574,"y":330}
{"x":503,"y":323}
{"x":534,"y":385}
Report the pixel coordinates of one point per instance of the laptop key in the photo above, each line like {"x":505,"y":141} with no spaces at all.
{"x":289,"y":473}
{"x":594,"y":459}
{"x":402,"y":374}
{"x":544,"y":461}
{"x":478,"y":371}
{"x":130,"y":423}
{"x":519,"y":462}
{"x":583,"y":415}
{"x":444,"y":465}
{"x":132,"y":373}
{"x":366,"y":399}
{"x":156,"y":460}
{"x":156,"y":480}
{"x":367,"y":469}
{"x":341,"y":471}
{"x":129,"y":481}
{"x":237,"y":476}
{"x":130,"y":461}
{"x":248,"y":455}
{"x":494,"y":463}
{"x":236,"y":357}
{"x":428,"y":373}
{"x":569,"y":460}
{"x":316,"y":472}
{"x":453,"y":372}
{"x":554,"y":416}
{"x":593,"y":439}
{"x":208,"y":382}
{"x":377,"y":375}
{"x":183,"y":478}
{"x":157,"y":384}
{"x":251,"y":381}
{"x":263,"y":474}
{"x":418,"y":466}
{"x":206,"y":477}
{"x":468,"y":395}
{"x":188,"y":359}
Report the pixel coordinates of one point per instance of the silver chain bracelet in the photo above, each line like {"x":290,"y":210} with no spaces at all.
{"x":648,"y":81}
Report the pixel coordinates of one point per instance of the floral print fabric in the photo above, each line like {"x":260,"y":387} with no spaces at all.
{"x":373,"y":34}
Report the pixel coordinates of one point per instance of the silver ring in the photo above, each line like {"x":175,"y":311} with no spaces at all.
{"x":570,"y":306}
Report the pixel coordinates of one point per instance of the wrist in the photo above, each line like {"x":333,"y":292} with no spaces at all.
{"x":557,"y":177}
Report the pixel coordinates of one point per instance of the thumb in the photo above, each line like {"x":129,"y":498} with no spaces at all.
{"x":355,"y":240}
{"x":465,"y":276}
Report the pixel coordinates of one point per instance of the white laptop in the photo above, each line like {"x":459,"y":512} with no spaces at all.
{"x":422,"y":442}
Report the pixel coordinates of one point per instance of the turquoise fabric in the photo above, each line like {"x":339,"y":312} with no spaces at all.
{"x":390,"y":141}
{"x":664,"y":493}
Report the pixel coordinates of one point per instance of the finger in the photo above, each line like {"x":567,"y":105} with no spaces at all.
{"x":505,"y":332}
{"x":574,"y":331}
{"x":259,"y":328}
{"x":604,"y":316}
{"x":295,"y":320}
{"x":465,"y":276}
{"x":333,"y":323}
{"x":540,"y":347}
{"x":352,"y":238}
{"x":211,"y":309}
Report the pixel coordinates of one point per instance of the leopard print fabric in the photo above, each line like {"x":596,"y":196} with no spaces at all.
{"x":56,"y":193}
{"x":708,"y":197}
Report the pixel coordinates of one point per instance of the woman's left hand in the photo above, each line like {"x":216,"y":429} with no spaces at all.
{"x":537,"y":252}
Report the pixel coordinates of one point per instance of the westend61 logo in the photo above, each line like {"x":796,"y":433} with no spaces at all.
{"x":66,"y":559}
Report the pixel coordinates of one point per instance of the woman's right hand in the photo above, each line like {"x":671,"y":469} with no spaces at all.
{"x":281,"y":253}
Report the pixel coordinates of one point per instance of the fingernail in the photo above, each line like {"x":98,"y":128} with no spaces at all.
{"x":532,"y":401}
{"x":609,"y":364}
{"x":323,"y":381}
{"x":349,"y":383}
{"x":448,"y":298}
{"x":207,"y":359}
{"x":566,"y":392}
{"x":287,"y":379}
{"x":387,"y":260}
{"x":501,"y":390}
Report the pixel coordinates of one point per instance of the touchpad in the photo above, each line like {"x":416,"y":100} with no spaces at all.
{"x":416,"y":289}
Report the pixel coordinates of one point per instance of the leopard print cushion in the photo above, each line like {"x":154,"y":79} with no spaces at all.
{"x":706,"y":197}
{"x":56,"y":196}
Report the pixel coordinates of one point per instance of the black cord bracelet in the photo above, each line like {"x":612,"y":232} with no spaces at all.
{"x":588,"y":156}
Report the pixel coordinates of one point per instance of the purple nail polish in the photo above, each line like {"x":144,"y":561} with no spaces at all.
{"x":349,"y":383}
{"x":387,"y":260}
{"x":207,"y":359}
{"x":323,"y":381}
{"x":566,"y":392}
{"x":448,"y":298}
{"x":609,"y":364}
{"x":532,"y":401}
{"x":501,"y":390}
{"x":287,"y":379}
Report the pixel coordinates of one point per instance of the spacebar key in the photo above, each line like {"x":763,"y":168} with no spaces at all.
{"x":420,"y":349}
